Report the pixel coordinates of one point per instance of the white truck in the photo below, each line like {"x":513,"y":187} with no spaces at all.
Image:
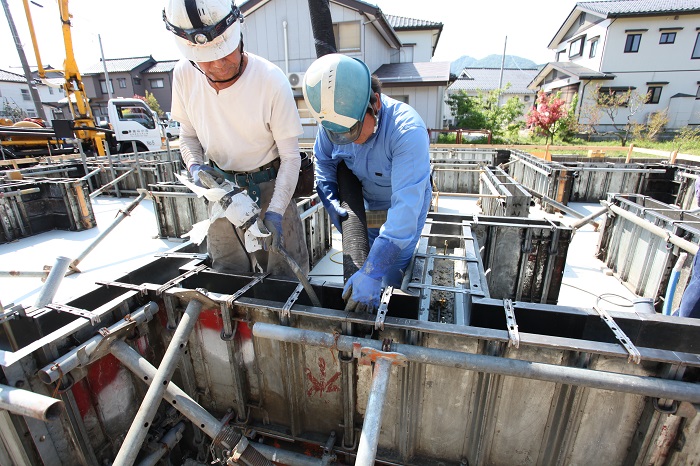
{"x":132,"y":120}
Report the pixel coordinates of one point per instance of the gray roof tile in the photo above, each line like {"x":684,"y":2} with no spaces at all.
{"x":162,"y":67}
{"x":400,"y":23}
{"x":428,"y":72}
{"x":8,"y":76}
{"x":616,"y":8}
{"x":117,"y":65}
{"x":487,"y":79}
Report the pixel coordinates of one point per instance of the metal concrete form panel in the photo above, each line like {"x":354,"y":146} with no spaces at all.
{"x":550,"y":179}
{"x":642,"y":260}
{"x":32,"y":206}
{"x":513,"y":200}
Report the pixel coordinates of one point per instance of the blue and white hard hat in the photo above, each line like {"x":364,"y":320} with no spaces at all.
{"x":337,"y":90}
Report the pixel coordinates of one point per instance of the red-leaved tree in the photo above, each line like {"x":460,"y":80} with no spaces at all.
{"x":548,"y":116}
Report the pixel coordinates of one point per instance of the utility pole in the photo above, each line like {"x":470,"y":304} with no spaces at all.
{"x":503,"y":62}
{"x":104,"y":66}
{"x":25,"y":66}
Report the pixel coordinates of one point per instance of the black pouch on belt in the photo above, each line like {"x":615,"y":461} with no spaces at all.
{"x":305,"y":184}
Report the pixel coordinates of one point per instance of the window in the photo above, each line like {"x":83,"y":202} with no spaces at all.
{"x":526,"y":98}
{"x":122,"y":83}
{"x":400,"y":98}
{"x":50,"y":90}
{"x":696,"y":49}
{"x":156,"y":83}
{"x":576,"y":47}
{"x":137,"y":114}
{"x":559,"y":54}
{"x":654,"y":94}
{"x":667,"y":38}
{"x":25,"y":94}
{"x":137,"y":81}
{"x":347,"y":36}
{"x":697,"y":93}
{"x":614,"y":96}
{"x":632,"y":44}
{"x":594,"y":48}
{"x":581,"y":19}
{"x":31,"y":113}
{"x":103,"y":86}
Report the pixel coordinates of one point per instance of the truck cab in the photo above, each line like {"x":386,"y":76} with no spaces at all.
{"x":133,"y":121}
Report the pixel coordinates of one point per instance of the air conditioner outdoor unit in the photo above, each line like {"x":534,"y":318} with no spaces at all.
{"x":295,"y":80}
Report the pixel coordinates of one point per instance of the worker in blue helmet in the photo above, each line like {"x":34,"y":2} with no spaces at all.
{"x":385,"y":143}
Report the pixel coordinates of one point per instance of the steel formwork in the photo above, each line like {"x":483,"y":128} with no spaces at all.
{"x":641,"y":259}
{"x":508,"y":198}
{"x":450,"y":374}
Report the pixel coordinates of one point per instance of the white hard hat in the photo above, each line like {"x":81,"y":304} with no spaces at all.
{"x":205,"y":30}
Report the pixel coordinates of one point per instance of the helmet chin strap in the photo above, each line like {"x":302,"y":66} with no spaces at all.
{"x":222,"y":81}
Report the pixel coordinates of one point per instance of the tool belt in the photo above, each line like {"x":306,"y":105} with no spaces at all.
{"x":252,"y":179}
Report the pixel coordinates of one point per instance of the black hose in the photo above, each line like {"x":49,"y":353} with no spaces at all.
{"x":355,"y":242}
{"x":322,"y":27}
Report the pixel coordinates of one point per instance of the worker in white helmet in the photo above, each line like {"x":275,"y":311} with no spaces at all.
{"x":238,"y":120}
{"x":385,"y":143}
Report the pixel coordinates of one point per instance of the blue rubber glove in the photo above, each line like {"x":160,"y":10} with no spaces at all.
{"x":328,"y":193}
{"x":273,"y":222}
{"x":196,"y":168}
{"x":363,"y":290}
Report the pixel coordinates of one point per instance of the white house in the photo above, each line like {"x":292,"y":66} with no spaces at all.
{"x":650,"y":46}
{"x":14,"y":91}
{"x":475,"y":80}
{"x":280,"y":31}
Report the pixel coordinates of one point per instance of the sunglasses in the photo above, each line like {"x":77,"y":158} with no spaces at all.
{"x":355,"y":130}
{"x":201,"y":36}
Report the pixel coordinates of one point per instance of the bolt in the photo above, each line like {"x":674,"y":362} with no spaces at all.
{"x":42,"y":438}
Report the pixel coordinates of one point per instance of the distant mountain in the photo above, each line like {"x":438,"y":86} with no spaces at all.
{"x":492,"y":61}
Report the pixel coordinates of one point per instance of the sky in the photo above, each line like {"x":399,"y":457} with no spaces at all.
{"x":473,"y":28}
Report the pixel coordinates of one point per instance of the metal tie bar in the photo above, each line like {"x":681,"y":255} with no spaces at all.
{"x":513,"y":335}
{"x":183,"y":255}
{"x":180,"y":278}
{"x":634,"y":354}
{"x":291,"y":300}
{"x":258,"y":278}
{"x":141,"y":289}
{"x":383,"y":308}
{"x":94,"y":318}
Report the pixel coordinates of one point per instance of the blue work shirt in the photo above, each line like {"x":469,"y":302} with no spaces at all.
{"x":393,"y":166}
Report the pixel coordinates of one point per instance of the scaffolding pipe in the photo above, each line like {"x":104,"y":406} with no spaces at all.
{"x":30,"y":404}
{"x":58,"y":271}
{"x":23,"y":274}
{"x":147,"y":411}
{"x":165,"y":444}
{"x":121,"y":216}
{"x":586,"y":220}
{"x":174,"y":395}
{"x":91,"y":174}
{"x":69,"y":361}
{"x":114,"y":181}
{"x":49,"y":172}
{"x":19,"y":192}
{"x":676,"y":240}
{"x":289,"y":458}
{"x":626,"y":383}
{"x":369,"y":439}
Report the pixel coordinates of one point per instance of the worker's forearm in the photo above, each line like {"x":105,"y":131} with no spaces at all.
{"x":288,"y":175}
{"x":190,"y":147}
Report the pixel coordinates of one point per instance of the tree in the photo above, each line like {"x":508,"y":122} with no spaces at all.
{"x":484,"y":111}
{"x":152,"y":102}
{"x":548,"y":116}
{"x":619,"y":106}
{"x":12,"y":111}
{"x":686,"y":137}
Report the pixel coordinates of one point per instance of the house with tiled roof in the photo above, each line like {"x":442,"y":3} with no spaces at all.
{"x":14,"y":93}
{"x":515,"y":81}
{"x":397,"y":49}
{"x":649,"y":46}
{"x":126,"y":78}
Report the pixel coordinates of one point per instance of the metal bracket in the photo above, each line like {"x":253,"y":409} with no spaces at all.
{"x":291,"y":300}
{"x":142,"y":289}
{"x":12,"y":313}
{"x":200,"y":295}
{"x":513,"y":335}
{"x":183,"y":255}
{"x":367,"y":356}
{"x":633,"y":353}
{"x":249,"y":285}
{"x":383,"y":308}
{"x":94,"y":318}
{"x":178,"y":279}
